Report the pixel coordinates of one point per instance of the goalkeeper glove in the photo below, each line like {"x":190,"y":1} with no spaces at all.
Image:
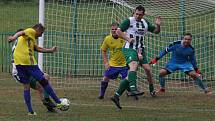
{"x":153,"y":61}
{"x":198,"y":71}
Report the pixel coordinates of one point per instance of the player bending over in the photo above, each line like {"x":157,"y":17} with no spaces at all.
{"x":26,"y":64}
{"x":34,"y":84}
{"x":182,"y":58}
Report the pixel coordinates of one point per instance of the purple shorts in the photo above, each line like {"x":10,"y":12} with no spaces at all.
{"x":113,"y":72}
{"x":27,"y":71}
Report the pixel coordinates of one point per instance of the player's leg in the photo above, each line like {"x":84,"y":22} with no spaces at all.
{"x":132,"y":61}
{"x":147,"y":69}
{"x":169,"y":68}
{"x":188,"y":69}
{"x":15,"y":73}
{"x":44,"y":97}
{"x":50,"y":104}
{"x":103,"y":86}
{"x":132,"y":75}
{"x":24,"y":79}
{"x":162,"y":73}
{"x":38,"y":74}
{"x":124,"y":84}
{"x":111,"y":73}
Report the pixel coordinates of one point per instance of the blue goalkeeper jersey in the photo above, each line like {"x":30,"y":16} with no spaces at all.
{"x":180,"y":54}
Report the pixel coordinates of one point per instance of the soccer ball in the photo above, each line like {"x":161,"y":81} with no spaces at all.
{"x":65,"y":103}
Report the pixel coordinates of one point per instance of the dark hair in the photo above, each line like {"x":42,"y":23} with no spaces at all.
{"x":188,"y":34}
{"x":140,"y":8}
{"x":115,"y":24}
{"x":19,"y":30}
{"x":39,"y":26}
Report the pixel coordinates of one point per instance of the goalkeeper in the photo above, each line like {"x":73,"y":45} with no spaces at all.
{"x":183,"y":58}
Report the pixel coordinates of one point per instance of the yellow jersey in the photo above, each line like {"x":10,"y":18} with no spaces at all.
{"x":24,"y":50}
{"x":115,"y":46}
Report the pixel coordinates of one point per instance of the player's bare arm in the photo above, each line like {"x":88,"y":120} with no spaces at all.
{"x":45,"y":50}
{"x":105,"y":59}
{"x":15,"y":36}
{"x":124,"y":36}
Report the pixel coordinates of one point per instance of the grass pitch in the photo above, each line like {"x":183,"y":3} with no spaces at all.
{"x":86,"y":107}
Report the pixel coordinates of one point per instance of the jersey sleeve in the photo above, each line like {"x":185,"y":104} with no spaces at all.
{"x":30,"y":33}
{"x":151,"y":27}
{"x":168,"y":49}
{"x":104,"y":45}
{"x":124,"y":25}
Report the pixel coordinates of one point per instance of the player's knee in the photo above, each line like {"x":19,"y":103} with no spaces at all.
{"x":163,"y":72}
{"x":44,"y":82}
{"x":133,"y":66}
{"x":26,"y":86}
{"x":39,"y":87}
{"x":106,"y":79}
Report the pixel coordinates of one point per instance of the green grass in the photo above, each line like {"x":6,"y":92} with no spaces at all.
{"x":86,"y":107}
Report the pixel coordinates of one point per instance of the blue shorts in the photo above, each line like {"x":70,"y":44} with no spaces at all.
{"x":185,"y":67}
{"x":26,"y":71}
{"x":113,"y":72}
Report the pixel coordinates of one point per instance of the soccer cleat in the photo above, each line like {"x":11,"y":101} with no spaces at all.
{"x":153,"y":93}
{"x":32,"y":113}
{"x":49,"y":105}
{"x":101,"y":97}
{"x":115,"y":99}
{"x":60,"y":105}
{"x":136,"y":97}
{"x":162,"y":90}
{"x":129,"y":93}
{"x":135,"y":93}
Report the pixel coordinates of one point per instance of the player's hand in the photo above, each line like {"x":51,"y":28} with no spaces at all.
{"x":153,"y":61}
{"x":198,"y":71}
{"x":130,"y":40}
{"x":11,"y":38}
{"x":158,"y":21}
{"x":54,"y":49}
{"x":107,"y":66}
{"x":140,"y":56}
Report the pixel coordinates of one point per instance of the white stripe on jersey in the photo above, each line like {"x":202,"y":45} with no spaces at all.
{"x":137,"y":30}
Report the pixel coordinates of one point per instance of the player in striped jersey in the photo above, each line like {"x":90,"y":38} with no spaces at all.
{"x":116,"y":65}
{"x":133,"y":30}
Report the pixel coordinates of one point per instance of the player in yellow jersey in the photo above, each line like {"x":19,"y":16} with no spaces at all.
{"x":117,"y":63}
{"x":26,"y":64}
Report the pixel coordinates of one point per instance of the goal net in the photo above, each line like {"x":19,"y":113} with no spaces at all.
{"x":78,"y":27}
